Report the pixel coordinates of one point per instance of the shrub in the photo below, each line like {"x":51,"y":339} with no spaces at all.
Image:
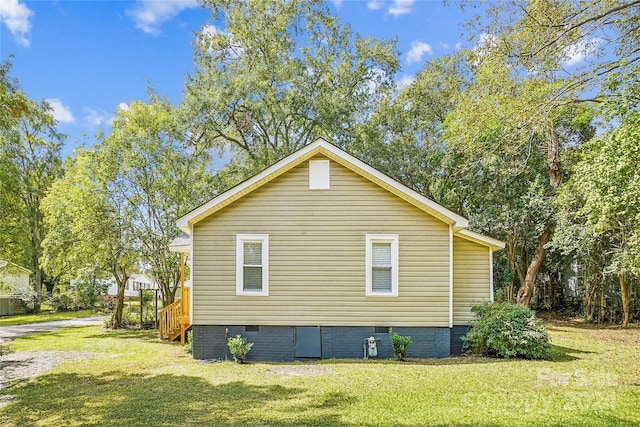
{"x":399,"y":344}
{"x":86,"y":294}
{"x":506,"y":330}
{"x":29,"y":299}
{"x":239,"y":347}
{"x":62,"y":301}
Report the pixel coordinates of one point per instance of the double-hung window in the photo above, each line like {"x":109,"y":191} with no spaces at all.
{"x":252,"y":264}
{"x":382,"y":265}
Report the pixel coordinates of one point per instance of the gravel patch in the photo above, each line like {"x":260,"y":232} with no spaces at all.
{"x":21,"y":366}
{"x":302,"y":370}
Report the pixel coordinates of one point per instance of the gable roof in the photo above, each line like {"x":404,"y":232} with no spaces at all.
{"x":4,"y":264}
{"x":322,"y":147}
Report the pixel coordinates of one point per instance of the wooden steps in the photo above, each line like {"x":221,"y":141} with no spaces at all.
{"x":174,"y":319}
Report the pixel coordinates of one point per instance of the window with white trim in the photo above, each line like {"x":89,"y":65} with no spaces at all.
{"x":252,"y":264}
{"x":382,"y":265}
{"x":319,"y":175}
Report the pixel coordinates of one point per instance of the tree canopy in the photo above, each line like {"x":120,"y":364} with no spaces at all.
{"x":281,"y":74}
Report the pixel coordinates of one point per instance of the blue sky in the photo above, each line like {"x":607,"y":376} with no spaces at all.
{"x":90,"y":57}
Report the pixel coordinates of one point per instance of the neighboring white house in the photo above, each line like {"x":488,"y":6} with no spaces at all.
{"x":133,"y":286}
{"x":13,"y":280}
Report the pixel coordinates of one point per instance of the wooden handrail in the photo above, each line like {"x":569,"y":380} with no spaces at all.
{"x":170,"y":318}
{"x":175,"y":317}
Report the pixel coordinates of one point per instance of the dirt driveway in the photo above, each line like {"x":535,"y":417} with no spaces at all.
{"x":21,"y":366}
{"x":10,"y":332}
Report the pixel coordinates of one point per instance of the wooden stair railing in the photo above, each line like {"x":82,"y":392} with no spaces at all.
{"x":174,"y":319}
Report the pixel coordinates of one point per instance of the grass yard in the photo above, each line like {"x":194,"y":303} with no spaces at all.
{"x":130,"y":379}
{"x":45,"y":316}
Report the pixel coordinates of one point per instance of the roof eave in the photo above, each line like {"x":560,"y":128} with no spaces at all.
{"x":494,"y":244}
{"x":320,"y":146}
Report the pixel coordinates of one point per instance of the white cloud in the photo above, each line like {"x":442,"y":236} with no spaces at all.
{"x":337,"y":3}
{"x":232,"y":51}
{"x":579,"y":51}
{"x":60,"y":112}
{"x":123,"y":106}
{"x":401,"y":7}
{"x":374,"y":5}
{"x":418,"y":48}
{"x":444,"y":45}
{"x":15,"y":16}
{"x":149,"y":14}
{"x":94,"y":118}
{"x":458,"y":46}
{"x":211,"y":30}
{"x":486,"y":42}
{"x":405,"y":81}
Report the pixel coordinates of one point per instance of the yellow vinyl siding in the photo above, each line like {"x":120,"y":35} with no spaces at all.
{"x":471,"y":281}
{"x":317,"y":256}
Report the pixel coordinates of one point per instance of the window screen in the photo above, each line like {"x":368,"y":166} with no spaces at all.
{"x":381,"y":265}
{"x":252,"y":268}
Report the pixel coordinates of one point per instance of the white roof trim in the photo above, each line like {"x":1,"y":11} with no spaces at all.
{"x":437,"y":210}
{"x":4,"y":263}
{"x":494,"y":244}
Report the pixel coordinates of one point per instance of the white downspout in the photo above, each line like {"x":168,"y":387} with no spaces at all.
{"x":191,"y":277}
{"x":491,"y":274}
{"x":450,"y":276}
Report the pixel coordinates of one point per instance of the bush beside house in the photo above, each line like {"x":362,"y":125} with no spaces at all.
{"x":506,"y":330}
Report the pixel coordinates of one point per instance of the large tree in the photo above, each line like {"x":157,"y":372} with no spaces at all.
{"x":279,"y":74}
{"x":30,"y":161}
{"x":537,"y":65}
{"x":90,"y":223}
{"x":403,"y":138}
{"x":606,"y":187}
{"x":160,"y":175}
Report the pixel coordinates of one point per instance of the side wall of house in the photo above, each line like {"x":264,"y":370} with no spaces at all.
{"x":14,"y":281}
{"x":317,"y":257}
{"x":471,"y":278}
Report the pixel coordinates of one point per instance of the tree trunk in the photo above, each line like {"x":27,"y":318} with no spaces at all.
{"x":591,"y":293}
{"x":510,"y":291}
{"x":624,"y":291}
{"x":602,"y":303}
{"x":555,"y":179}
{"x":121,"y":281}
{"x":553,"y":157}
{"x":168,"y":292}
{"x":35,"y":257}
{"x":526,"y":288}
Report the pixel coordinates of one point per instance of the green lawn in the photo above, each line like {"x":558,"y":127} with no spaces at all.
{"x":45,"y":316}
{"x":131,"y":379}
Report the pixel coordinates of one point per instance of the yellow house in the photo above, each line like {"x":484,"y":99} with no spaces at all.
{"x":13,"y":280}
{"x":320,"y":251}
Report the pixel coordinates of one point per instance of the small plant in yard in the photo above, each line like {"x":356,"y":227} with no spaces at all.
{"x":239,"y":348}
{"x":399,"y":344}
{"x":506,"y":330}
{"x":189,"y":346}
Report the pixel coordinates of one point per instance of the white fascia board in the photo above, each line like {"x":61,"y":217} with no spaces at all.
{"x":494,"y":244}
{"x":491,"y":273}
{"x":183,"y":222}
{"x":185,"y":249}
{"x":16,"y":266}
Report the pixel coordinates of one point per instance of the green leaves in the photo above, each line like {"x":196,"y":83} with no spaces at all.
{"x":506,"y":330}
{"x":160,"y":175}
{"x":606,"y":182}
{"x":281,"y":74}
